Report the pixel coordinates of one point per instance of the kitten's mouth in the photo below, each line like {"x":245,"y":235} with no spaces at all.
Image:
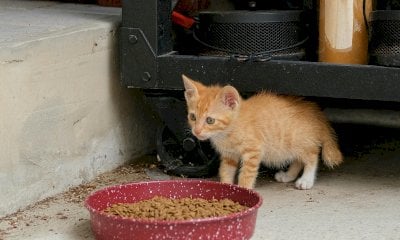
{"x":201,"y":138}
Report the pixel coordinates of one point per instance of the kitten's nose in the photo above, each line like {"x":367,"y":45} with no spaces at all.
{"x":197,"y":131}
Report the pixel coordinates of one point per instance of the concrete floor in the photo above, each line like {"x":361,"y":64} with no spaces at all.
{"x":358,"y":200}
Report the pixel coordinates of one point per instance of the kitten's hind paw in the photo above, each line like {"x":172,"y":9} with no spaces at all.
{"x":282,"y":176}
{"x":304,"y":183}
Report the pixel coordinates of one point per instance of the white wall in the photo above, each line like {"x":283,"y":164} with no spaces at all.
{"x":63,"y":116}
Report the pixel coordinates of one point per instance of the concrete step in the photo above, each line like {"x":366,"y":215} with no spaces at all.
{"x":64,"y":116}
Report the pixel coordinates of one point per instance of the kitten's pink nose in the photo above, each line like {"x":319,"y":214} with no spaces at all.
{"x":197,"y":131}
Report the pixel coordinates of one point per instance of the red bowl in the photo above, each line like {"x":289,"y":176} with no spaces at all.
{"x":234,"y":226}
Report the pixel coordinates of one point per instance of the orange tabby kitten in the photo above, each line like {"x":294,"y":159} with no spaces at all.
{"x":266,"y":128}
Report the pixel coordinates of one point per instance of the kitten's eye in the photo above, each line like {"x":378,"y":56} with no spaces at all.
{"x":210,"y":120}
{"x":192,"y":117}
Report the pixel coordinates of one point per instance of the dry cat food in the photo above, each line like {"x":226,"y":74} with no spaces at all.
{"x":162,"y":208}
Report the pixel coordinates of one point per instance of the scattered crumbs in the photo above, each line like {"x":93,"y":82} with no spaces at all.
{"x":79,"y":193}
{"x":35,"y":214}
{"x":2,"y":234}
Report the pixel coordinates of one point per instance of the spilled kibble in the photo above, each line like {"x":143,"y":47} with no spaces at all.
{"x":162,"y":208}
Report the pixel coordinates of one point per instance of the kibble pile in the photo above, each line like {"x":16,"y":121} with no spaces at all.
{"x":162,"y":208}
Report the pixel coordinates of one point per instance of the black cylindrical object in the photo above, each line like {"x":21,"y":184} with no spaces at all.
{"x":384,"y":47}
{"x":281,"y":33}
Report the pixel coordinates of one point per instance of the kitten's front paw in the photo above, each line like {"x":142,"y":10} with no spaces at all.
{"x":282,"y":176}
{"x":304,"y":183}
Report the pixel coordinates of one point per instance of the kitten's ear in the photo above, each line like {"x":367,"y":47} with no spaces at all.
{"x":190,"y":87}
{"x":230,"y":97}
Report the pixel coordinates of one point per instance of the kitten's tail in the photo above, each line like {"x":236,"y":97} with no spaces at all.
{"x":331,"y":154}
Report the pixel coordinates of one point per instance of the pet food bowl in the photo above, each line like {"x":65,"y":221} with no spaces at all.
{"x":234,"y":226}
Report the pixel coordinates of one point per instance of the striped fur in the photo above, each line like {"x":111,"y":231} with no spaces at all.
{"x":266,"y":128}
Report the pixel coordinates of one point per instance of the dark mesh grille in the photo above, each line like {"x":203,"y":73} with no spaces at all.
{"x":253,"y":37}
{"x":385,"y":37}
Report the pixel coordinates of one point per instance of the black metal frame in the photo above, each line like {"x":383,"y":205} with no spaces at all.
{"x":149,"y":62}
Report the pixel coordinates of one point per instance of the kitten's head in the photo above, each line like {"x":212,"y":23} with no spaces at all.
{"x":211,"y":109}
